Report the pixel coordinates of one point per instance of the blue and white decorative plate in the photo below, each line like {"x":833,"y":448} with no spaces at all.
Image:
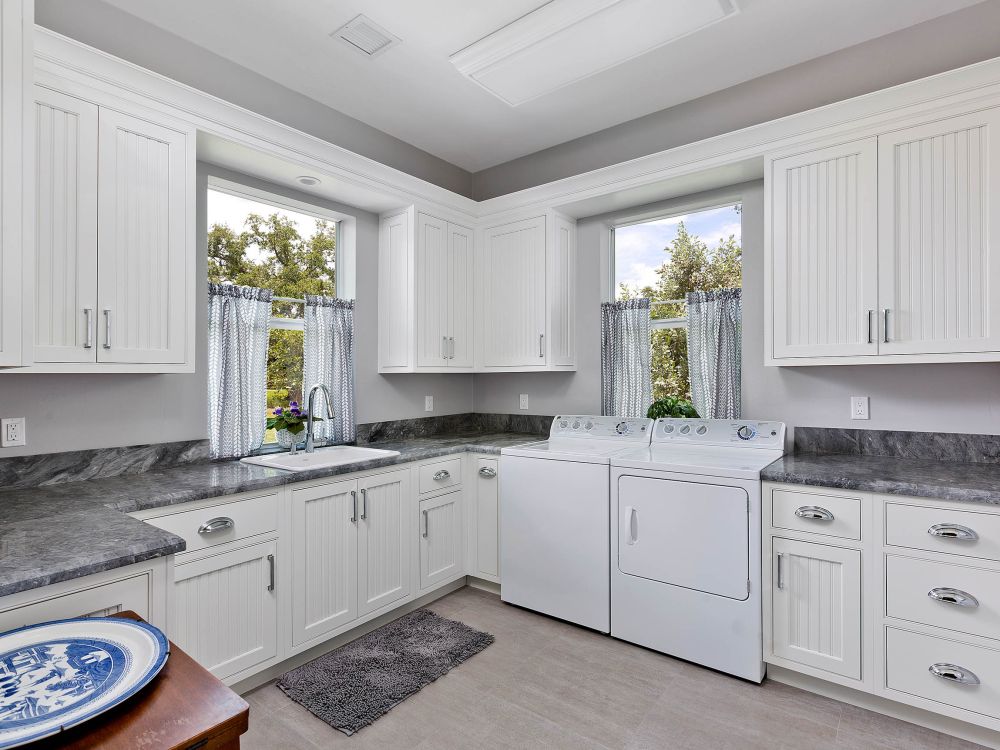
{"x":59,"y":674}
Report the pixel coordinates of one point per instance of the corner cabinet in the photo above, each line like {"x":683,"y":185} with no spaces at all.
{"x":880,"y":250}
{"x":455,"y":300}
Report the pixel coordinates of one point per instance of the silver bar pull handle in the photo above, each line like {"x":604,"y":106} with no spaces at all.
{"x":214,"y":525}
{"x":781,"y":578}
{"x":814,"y":513}
{"x":953,"y":531}
{"x":954,"y":673}
{"x":424,"y":532}
{"x":444,"y":347}
{"x":364,"y":504}
{"x":487,"y":472}
{"x":441,"y":475}
{"x":270,"y":565}
{"x":88,"y":317}
{"x":871,"y":314}
{"x":957,"y":597}
{"x":107,"y":328}
{"x":354,"y":506}
{"x":541,"y":345}
{"x":885,"y":325}
{"x":451,"y":347}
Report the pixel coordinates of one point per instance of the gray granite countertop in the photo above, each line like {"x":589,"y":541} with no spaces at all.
{"x":58,"y":532}
{"x":890,"y":475}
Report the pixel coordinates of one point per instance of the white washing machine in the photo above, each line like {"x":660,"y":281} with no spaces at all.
{"x":555,"y":517}
{"x":685,"y":542}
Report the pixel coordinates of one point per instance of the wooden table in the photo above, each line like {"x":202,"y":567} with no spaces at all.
{"x":183,"y":708}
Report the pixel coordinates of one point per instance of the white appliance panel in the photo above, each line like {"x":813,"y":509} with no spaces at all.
{"x":686,"y":534}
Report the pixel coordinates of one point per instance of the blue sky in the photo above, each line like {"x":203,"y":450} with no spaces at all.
{"x":639,"y":248}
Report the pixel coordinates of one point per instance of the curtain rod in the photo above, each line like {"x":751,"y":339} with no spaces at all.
{"x":288,"y":299}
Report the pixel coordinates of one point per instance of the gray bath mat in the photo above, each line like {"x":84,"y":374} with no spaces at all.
{"x":353,"y":686}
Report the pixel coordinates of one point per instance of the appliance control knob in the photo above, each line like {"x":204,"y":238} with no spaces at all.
{"x":702,"y":429}
{"x":622,"y":428}
{"x":563,"y":424}
{"x":746,"y":432}
{"x":589,"y":426}
{"x":576,"y":425}
{"x":668,"y":428}
{"x":685,"y":429}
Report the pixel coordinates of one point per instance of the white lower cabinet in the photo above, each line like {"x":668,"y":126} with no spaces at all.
{"x":384,"y":539}
{"x":487,"y":529}
{"x":816,"y":606}
{"x":441,"y":538}
{"x":223,"y":610}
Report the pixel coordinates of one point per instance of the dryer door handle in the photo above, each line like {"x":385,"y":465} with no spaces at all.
{"x":633,"y":524}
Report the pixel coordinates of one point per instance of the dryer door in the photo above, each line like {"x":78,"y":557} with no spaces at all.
{"x":686,"y":534}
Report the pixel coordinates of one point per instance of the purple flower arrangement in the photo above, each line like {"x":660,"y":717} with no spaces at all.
{"x":292,"y":419}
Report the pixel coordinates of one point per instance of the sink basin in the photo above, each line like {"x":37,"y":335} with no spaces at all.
{"x":321,"y":458}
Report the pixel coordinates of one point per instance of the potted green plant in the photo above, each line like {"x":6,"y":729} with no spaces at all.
{"x":671,"y":406}
{"x":290,"y":424}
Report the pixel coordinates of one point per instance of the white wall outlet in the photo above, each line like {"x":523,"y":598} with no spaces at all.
{"x":523,"y":401}
{"x":859,"y":407}
{"x":12,"y":432}
{"x":428,"y":403}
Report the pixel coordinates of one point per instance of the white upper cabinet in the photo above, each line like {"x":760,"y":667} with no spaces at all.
{"x":395,"y":292}
{"x":431,"y":292}
{"x":461,"y":317}
{"x":880,"y":250}
{"x":939,"y":272}
{"x":823,"y":261}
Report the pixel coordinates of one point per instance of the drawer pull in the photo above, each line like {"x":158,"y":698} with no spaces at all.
{"x":948,"y":595}
{"x":953,"y":673}
{"x":953,"y":531}
{"x":487,"y":472}
{"x":426,"y":525}
{"x":216,"y":524}
{"x":441,"y":475}
{"x":354,"y":506}
{"x":270,"y":567}
{"x":814,"y":513}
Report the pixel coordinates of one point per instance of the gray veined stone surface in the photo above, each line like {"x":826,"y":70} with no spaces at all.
{"x":948,"y":446}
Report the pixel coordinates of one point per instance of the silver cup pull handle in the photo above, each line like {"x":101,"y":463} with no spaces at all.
{"x":814,"y":513}
{"x":954,"y":673}
{"x":214,"y":525}
{"x":487,"y":472}
{"x":957,"y":597}
{"x":441,"y":475}
{"x":953,"y":531}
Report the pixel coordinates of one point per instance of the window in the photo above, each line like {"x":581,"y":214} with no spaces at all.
{"x":665,"y":258}
{"x":259,"y":240}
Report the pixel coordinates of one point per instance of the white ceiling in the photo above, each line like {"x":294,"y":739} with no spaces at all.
{"x":414,"y":93}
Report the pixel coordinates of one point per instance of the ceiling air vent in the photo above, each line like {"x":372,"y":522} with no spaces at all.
{"x":365,"y":36}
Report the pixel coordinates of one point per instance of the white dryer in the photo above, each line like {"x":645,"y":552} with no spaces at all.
{"x":555,"y":517}
{"x":686,"y":540}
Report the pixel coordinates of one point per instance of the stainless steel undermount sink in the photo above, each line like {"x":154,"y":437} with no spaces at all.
{"x":321,"y":458}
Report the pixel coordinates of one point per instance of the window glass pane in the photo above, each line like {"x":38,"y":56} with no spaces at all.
{"x":663,"y":260}
{"x":284,"y":372}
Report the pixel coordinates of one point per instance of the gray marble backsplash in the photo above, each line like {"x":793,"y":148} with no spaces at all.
{"x":942,"y":446}
{"x":19,"y":472}
{"x":453,"y":424}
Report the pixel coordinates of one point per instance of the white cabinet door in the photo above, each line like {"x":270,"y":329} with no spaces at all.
{"x":487,"y":519}
{"x":324,"y":559}
{"x":432,"y":269}
{"x":823,"y":260}
{"x":816,"y":606}
{"x":939,"y":207}
{"x":142,"y":241}
{"x":224,"y":611}
{"x":511,"y":276}
{"x":384,"y":539}
{"x":395,"y":275}
{"x":65,"y":296}
{"x":560,"y":259}
{"x":461,"y":316}
{"x":441,"y":538}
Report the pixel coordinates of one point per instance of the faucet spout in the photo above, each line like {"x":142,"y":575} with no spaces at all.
{"x":310,"y":411}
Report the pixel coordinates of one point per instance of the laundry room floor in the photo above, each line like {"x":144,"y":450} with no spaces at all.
{"x":547,"y":684}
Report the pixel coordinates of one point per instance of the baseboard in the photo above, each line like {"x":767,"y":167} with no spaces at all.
{"x":880,"y":705}
{"x":275,"y":671}
{"x":483,"y":585}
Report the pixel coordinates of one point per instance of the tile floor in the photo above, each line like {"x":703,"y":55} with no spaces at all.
{"x":547,"y":684}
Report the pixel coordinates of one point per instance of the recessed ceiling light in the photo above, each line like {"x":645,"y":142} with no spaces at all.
{"x":306,"y":179}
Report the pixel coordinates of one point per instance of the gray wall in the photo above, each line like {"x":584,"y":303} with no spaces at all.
{"x":112,"y":30}
{"x":945,"y":397}
{"x":951,"y":41}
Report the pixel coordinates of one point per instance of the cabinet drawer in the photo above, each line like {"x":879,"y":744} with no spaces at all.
{"x":910,"y":656}
{"x":98,"y":601}
{"x":439,"y":475}
{"x":957,"y":532}
{"x":237,"y":520}
{"x":830,"y":515}
{"x":944,"y":595}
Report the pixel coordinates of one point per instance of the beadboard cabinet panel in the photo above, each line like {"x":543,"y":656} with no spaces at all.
{"x":65,"y":228}
{"x":394,"y":292}
{"x":432,"y":269}
{"x":142,"y":241}
{"x":442,"y":540}
{"x":823,"y":254}
{"x":384,"y":539}
{"x":560,"y":262}
{"x":939,"y":202}
{"x":461,"y":315}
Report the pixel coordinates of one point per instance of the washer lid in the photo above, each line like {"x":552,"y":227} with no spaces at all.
{"x":568,"y":449}
{"x":734,"y":463}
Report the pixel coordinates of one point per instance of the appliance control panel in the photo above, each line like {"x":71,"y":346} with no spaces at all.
{"x":746,"y":433}
{"x":631,"y":429}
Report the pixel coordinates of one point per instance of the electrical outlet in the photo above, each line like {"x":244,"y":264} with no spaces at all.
{"x":12,"y":432}
{"x":859,"y":407}
{"x":428,"y":403}
{"x":523,"y":402}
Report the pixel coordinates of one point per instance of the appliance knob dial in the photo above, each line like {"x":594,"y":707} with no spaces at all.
{"x":746,"y":432}
{"x":576,"y":425}
{"x":702,"y":429}
{"x":685,"y":429}
{"x":589,"y":426}
{"x":563,"y":424}
{"x":668,"y":428}
{"x":622,"y":428}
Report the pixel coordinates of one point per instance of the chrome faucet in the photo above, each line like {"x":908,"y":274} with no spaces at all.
{"x":309,"y":413}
